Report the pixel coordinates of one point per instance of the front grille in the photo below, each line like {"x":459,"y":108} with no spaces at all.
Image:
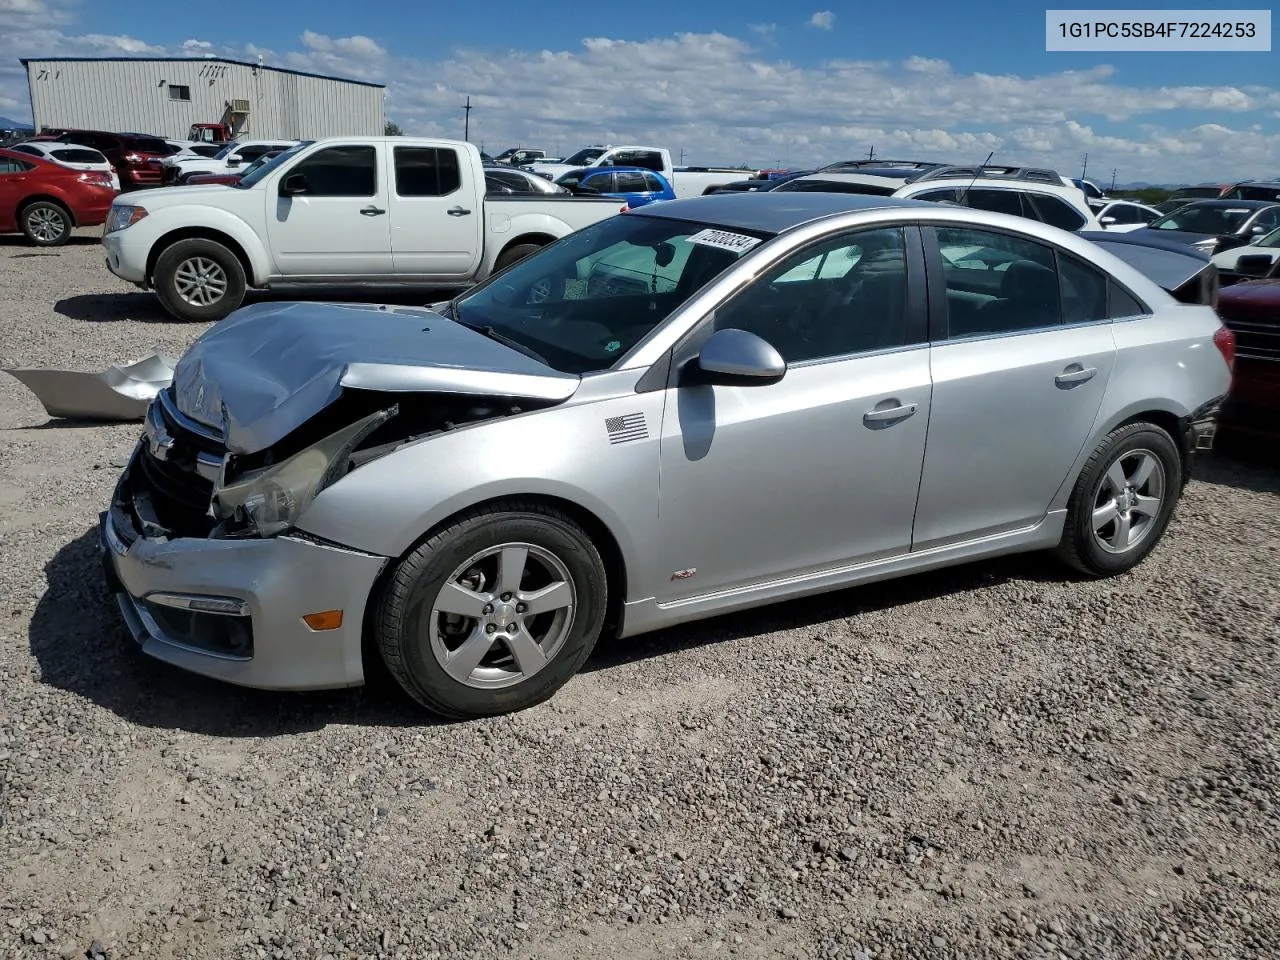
{"x":174,"y":467}
{"x":1255,"y":340}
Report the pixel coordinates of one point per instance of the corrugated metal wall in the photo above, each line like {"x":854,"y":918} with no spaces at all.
{"x":134,"y":95}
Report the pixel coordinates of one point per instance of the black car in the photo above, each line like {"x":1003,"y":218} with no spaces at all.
{"x":1212,"y":226}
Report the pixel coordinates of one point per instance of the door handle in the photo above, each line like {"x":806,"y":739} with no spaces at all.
{"x":889,"y":414}
{"x":457,"y":211}
{"x":372,"y":211}
{"x":1074,"y":375}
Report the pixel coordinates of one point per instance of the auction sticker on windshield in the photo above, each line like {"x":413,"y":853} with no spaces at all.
{"x":724,"y":240}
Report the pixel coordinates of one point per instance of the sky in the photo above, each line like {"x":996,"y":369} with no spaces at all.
{"x":724,"y":81}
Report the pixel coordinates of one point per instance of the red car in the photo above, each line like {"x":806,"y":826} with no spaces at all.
{"x":1252,"y":311}
{"x":136,"y":157}
{"x":46,"y":200}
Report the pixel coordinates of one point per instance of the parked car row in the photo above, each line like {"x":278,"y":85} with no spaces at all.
{"x":45,"y":199}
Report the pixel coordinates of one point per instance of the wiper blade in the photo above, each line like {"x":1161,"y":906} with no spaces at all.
{"x":494,"y":334}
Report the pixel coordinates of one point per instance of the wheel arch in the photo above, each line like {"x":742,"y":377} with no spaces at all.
{"x":534,"y":237}
{"x":44,"y":198}
{"x":165,"y":241}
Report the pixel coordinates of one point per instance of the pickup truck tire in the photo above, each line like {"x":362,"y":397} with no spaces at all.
{"x":45,"y":223}
{"x":493,"y":612}
{"x":199,"y":279}
{"x":551,"y":288}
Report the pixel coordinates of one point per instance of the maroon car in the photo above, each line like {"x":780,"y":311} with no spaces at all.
{"x":136,"y":157}
{"x":46,"y":200}
{"x":1252,"y":311}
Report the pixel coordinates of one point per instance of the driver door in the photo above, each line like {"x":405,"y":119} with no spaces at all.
{"x":820,"y":469}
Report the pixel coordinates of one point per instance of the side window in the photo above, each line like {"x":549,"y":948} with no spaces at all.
{"x":845,"y":296}
{"x":1084,"y":291}
{"x":938,"y":195}
{"x":8,"y":165}
{"x":25,"y":148}
{"x":649,"y":159}
{"x":1121,"y":304}
{"x":599,"y":182}
{"x":652,"y":184}
{"x":345,"y":171}
{"x":1055,"y":212}
{"x":249,"y":154}
{"x":1268,"y":219}
{"x":427,"y":171}
{"x":997,"y":283}
{"x":631,"y":182}
{"x":997,"y":201}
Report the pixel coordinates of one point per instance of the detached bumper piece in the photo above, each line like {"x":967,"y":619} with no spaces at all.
{"x":118,"y":393}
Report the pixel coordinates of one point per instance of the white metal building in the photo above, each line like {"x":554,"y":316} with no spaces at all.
{"x":164,"y":96}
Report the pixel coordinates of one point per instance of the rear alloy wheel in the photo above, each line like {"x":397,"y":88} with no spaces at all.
{"x":1123,"y":501}
{"x":199,"y":280}
{"x":45,"y":223}
{"x":495,"y":612}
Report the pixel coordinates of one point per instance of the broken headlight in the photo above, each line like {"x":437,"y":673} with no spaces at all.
{"x":269,"y":501}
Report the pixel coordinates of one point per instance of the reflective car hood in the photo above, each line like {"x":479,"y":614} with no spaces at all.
{"x":1178,"y":236}
{"x":268,"y":368}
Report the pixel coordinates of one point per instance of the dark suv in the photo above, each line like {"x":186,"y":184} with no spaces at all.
{"x":136,"y":157}
{"x":1268,"y":190}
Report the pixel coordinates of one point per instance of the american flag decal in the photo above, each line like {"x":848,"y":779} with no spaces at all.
{"x":626,"y":428}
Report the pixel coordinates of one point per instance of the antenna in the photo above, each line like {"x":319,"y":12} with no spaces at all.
{"x":1085,"y":168}
{"x":976,"y":174}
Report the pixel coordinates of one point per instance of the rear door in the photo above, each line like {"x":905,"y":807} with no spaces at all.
{"x":1021,"y":355}
{"x":437,"y":213}
{"x":13,"y":187}
{"x":339,"y":225}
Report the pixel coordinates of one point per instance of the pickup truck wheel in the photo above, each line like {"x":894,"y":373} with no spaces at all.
{"x":45,"y":223}
{"x":199,"y":280}
{"x":1122,"y":502}
{"x":494,"y":612}
{"x":512,"y":254}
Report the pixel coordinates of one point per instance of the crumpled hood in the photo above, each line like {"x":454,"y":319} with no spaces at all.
{"x":268,"y":368}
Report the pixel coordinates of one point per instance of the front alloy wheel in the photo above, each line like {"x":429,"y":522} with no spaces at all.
{"x":200,"y":282}
{"x":494,"y":611}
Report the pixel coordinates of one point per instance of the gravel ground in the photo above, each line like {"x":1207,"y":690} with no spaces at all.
{"x":994,"y":761}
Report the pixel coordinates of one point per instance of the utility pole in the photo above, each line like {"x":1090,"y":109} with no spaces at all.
{"x":1113,"y":179}
{"x":871,"y":154}
{"x":682,"y":156}
{"x":466,"y":135}
{"x":1085,"y":168}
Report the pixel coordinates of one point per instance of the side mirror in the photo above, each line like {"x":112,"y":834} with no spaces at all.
{"x":1105,"y":220}
{"x":738,"y":358}
{"x":1257,"y":230}
{"x":293,"y":185}
{"x":234,"y":161}
{"x":1254,"y":265}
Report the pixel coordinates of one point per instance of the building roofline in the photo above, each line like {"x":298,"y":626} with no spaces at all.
{"x":240,"y":63}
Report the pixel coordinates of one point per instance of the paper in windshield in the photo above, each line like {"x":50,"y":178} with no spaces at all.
{"x":724,"y":240}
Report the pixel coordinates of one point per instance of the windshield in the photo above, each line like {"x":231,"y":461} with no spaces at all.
{"x":226,"y":151}
{"x":582,"y":303}
{"x":1272,"y":239}
{"x":255,"y":173}
{"x":585,"y":157}
{"x":1208,"y":220}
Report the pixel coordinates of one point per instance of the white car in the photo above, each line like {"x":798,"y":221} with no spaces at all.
{"x":1125,"y":215}
{"x":1268,"y":246}
{"x":229,"y":159}
{"x":70,"y":155}
{"x":1032,"y":192}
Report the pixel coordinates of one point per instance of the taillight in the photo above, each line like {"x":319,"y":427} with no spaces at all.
{"x":1225,"y":341}
{"x":101,"y":179}
{"x":132,"y":158}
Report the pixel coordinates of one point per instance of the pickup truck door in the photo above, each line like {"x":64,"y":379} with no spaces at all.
{"x":338,"y":226}
{"x":437,"y":213}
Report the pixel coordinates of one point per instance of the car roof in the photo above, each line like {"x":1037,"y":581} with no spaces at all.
{"x":771,"y":212}
{"x":1237,"y":204}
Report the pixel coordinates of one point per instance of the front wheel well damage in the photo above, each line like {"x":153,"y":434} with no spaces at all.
{"x":596,"y":529}
{"x":198,"y":233}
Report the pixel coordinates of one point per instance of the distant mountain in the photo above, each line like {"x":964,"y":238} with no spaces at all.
{"x":7,"y":124}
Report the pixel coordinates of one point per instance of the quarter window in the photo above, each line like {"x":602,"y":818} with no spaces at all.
{"x":1055,"y":212}
{"x":846,"y":296}
{"x":427,"y":171}
{"x":1084,"y":292}
{"x":937,"y":196}
{"x":11,"y":165}
{"x":652,"y":183}
{"x":997,"y":283}
{"x":345,"y":171}
{"x":1123,"y":304}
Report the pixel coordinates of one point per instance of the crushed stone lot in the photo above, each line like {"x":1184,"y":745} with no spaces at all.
{"x":992,"y":761}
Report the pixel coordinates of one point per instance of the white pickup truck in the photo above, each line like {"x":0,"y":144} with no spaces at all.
{"x":685,"y":181}
{"x":341,"y":211}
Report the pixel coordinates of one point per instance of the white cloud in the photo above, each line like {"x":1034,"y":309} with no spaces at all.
{"x":724,"y":99}
{"x":763,"y":29}
{"x":823,"y":20}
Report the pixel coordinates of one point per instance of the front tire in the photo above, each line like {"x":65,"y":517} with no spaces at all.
{"x":1123,"y":501}
{"x":199,"y":280}
{"x":493,"y":613}
{"x":45,"y":223}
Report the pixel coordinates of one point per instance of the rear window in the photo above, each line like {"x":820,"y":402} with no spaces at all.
{"x":148,"y":145}
{"x":78,"y":155}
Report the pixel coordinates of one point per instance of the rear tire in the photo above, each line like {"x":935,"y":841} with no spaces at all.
{"x":199,"y":280}
{"x":45,"y":223}
{"x":1122,"y":502}
{"x":513,"y":254}
{"x":538,"y":588}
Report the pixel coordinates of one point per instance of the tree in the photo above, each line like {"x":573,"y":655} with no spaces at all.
{"x":392,"y":130}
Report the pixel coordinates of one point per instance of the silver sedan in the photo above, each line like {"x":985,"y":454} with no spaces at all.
{"x":693,"y":408}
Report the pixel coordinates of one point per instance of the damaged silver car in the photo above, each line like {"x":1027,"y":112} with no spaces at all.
{"x":692,"y":408}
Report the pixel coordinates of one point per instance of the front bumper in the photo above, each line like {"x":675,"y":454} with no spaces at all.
{"x":127,"y":255}
{"x":277,"y":581}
